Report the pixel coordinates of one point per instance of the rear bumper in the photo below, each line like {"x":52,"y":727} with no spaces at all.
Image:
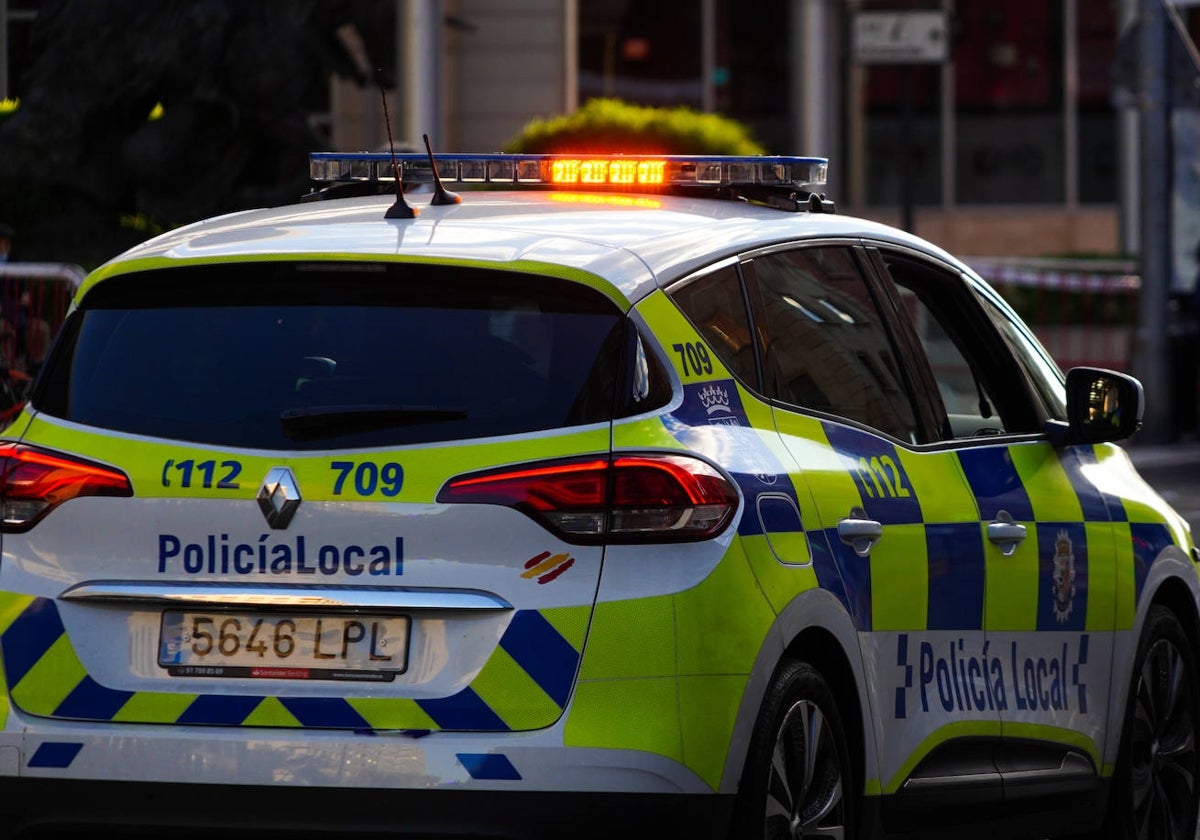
{"x":50,"y":808}
{"x":59,"y":779}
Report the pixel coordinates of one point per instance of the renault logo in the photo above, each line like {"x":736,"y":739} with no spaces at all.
{"x":278,"y":497}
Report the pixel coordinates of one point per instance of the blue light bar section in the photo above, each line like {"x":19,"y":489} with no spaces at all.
{"x":580,"y":171}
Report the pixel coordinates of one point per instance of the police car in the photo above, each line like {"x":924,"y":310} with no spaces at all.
{"x":656,"y":498}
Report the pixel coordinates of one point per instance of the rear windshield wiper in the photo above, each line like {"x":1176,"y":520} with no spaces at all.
{"x":332,"y":420}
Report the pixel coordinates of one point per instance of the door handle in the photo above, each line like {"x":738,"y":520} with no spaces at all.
{"x":1005,"y":533}
{"x":858,"y":532}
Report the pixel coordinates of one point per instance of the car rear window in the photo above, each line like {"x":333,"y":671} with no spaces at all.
{"x":318,"y":355}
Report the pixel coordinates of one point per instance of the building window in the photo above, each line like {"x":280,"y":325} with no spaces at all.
{"x":1008,"y":86}
{"x":903,"y":133}
{"x":1096,"y":50}
{"x":15,"y":51}
{"x":751,"y":69}
{"x":650,"y":56}
{"x":1002,"y":110}
{"x":657,"y":56}
{"x":901,"y":140}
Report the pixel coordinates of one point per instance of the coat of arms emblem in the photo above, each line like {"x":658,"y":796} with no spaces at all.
{"x":1063,"y":576}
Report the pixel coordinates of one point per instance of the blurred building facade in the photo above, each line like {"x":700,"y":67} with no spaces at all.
{"x":1012,"y":145}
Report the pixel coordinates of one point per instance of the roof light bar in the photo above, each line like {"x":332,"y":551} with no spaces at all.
{"x":625,"y":171}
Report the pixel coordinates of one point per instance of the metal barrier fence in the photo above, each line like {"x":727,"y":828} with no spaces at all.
{"x":1083,"y":311}
{"x":34,"y":298}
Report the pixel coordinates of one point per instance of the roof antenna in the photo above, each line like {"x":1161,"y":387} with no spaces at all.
{"x":441,"y":195}
{"x":401,"y":209}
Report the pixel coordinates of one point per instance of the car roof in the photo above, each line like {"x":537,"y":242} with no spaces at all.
{"x":636,"y":242}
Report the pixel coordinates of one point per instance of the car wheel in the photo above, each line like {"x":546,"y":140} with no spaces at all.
{"x":1155,"y":790}
{"x":798,"y":780}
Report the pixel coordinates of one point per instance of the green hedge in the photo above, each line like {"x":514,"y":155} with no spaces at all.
{"x":611,"y":125}
{"x":8,"y":107}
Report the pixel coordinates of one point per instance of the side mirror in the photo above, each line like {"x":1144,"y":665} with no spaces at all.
{"x":1102,"y":405}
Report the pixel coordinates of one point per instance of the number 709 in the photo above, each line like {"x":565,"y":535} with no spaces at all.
{"x":694,"y":358}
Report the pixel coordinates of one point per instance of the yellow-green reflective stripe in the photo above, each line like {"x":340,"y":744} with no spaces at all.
{"x":900,"y":580}
{"x":825,"y":473}
{"x":50,"y":680}
{"x":939,"y":485}
{"x":670,"y":326}
{"x":512,"y":694}
{"x":392,"y":713}
{"x":1049,"y":488}
{"x":707,"y":712}
{"x":761,"y":418}
{"x":642,"y":433}
{"x":720,"y":639}
{"x":4,"y":704}
{"x":154,"y":707}
{"x":1011,"y":591}
{"x":791,"y":547}
{"x":11,"y":606}
{"x":271,"y":712}
{"x":626,"y":714}
{"x":651,"y":621}
{"x":779,"y":581}
{"x":1126,"y":578}
{"x":570,"y":622}
{"x":1101,"y":577}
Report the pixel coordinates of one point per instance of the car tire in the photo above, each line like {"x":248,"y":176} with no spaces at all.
{"x":798,"y":780}
{"x":1154,"y":787}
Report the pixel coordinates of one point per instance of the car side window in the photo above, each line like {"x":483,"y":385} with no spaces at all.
{"x":1047,"y":379}
{"x":715,"y":305}
{"x":982,"y":386}
{"x":970,"y":410}
{"x":825,"y":346}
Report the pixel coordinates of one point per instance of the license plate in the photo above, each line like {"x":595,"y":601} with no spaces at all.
{"x":279,"y":646}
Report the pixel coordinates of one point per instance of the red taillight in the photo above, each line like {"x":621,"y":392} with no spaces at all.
{"x":34,"y":481}
{"x":630,"y":498}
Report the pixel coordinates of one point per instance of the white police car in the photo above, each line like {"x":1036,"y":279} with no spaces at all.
{"x":657,"y":499}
